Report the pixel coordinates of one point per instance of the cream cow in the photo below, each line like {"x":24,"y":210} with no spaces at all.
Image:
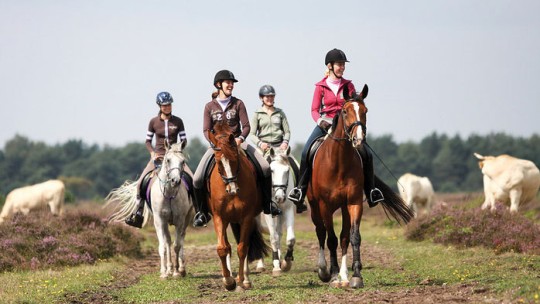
{"x":507,"y":178}
{"x":36,"y":196}
{"x":417,"y":192}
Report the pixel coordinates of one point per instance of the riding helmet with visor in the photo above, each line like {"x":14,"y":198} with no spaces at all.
{"x":335,"y":55}
{"x":267,"y":90}
{"x":222,"y":76}
{"x":164,"y":98}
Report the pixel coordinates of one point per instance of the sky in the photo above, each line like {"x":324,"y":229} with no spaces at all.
{"x":91,"y":70}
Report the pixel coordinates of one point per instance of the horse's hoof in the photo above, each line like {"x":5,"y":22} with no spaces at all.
{"x":335,"y":283}
{"x":344,"y":284}
{"x":181,"y":273}
{"x":260,"y":269}
{"x":286,"y":265}
{"x":247,"y":285}
{"x":163,"y":276}
{"x":324,"y":275}
{"x":229,"y":283}
{"x":276,"y":272}
{"x":356,"y":282}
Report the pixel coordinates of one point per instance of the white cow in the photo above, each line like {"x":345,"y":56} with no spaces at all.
{"x":416,"y":191}
{"x":36,"y":196}
{"x":507,"y":178}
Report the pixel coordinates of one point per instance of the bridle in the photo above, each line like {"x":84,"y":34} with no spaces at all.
{"x":347,"y":130}
{"x":278,"y":186}
{"x":234,"y":178}
{"x":167,"y":183}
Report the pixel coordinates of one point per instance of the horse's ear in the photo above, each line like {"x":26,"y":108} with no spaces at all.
{"x":272,"y":151}
{"x":231,"y":137}
{"x":288,"y":151}
{"x":365,"y":91}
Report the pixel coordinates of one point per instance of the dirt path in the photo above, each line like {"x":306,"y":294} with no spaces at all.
{"x":425,"y":292}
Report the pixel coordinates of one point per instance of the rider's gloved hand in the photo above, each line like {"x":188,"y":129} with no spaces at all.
{"x":325,"y":125}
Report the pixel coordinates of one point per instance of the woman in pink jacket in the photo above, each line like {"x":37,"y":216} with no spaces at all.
{"x":330,"y":95}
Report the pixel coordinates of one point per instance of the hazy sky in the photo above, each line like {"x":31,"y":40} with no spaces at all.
{"x":90,"y":70}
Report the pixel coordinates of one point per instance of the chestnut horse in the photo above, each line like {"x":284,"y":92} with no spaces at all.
{"x":337,"y":182}
{"x":234,"y":199}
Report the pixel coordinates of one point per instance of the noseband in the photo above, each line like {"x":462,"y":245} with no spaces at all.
{"x":348,"y":130}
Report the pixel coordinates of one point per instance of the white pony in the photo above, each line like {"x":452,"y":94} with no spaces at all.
{"x":25,"y":199}
{"x":171,"y":205}
{"x":282,"y":183}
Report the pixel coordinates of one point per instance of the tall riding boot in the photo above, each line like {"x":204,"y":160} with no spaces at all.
{"x":137,"y":218}
{"x":373,"y":194}
{"x":269,"y":206}
{"x":202,"y":215}
{"x":298,"y":193}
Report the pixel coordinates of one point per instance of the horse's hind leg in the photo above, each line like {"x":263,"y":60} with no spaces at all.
{"x":356,"y":281}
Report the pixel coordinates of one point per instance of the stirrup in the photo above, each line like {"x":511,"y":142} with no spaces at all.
{"x":295,"y":195}
{"x":200,"y":220}
{"x":375,"y":197}
{"x":136,"y":220}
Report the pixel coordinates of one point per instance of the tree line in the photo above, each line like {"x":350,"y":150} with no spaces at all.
{"x":91,"y":171}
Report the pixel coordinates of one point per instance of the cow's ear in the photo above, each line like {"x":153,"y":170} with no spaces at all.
{"x":480,"y":157}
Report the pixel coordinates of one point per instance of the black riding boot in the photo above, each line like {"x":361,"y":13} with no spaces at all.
{"x":202,"y":215}
{"x":136,"y":219}
{"x":298,"y":193}
{"x":269,"y":206}
{"x":373,"y":194}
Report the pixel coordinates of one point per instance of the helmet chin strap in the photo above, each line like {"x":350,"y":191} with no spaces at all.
{"x":332,"y":70}
{"x":221,"y":89}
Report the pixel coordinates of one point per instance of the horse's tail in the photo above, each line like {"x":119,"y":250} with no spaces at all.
{"x":123,"y":201}
{"x":393,"y":204}
{"x":257,"y":246}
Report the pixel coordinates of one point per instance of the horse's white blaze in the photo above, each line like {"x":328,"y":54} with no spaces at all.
{"x":343,"y":272}
{"x":359,"y":134}
{"x":229,"y":174}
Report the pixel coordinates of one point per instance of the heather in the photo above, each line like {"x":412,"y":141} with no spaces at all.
{"x":43,"y":241}
{"x":499,"y":230}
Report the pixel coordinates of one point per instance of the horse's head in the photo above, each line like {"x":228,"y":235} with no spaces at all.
{"x":354,"y":118}
{"x":279,"y":165}
{"x":173,"y":164}
{"x":226,"y":154}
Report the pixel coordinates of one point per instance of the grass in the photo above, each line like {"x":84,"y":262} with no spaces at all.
{"x":509,"y":275}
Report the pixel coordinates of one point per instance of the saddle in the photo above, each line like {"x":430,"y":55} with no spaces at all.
{"x":313,"y":149}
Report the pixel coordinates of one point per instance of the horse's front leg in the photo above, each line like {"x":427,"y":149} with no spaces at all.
{"x":275,"y":239}
{"x":356,"y":215}
{"x":288,"y":217}
{"x":224,"y":253}
{"x":180,"y":265}
{"x":164,"y":247}
{"x":242,"y":251}
{"x":320,"y":230}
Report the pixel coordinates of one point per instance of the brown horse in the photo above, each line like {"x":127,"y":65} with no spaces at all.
{"x":337,"y":182}
{"x":234,"y":199}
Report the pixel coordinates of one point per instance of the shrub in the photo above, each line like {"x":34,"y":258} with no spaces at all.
{"x":41,"y":240}
{"x":500,"y":230}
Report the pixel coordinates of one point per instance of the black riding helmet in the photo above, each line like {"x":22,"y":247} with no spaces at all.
{"x":164,"y":98}
{"x":267,"y":90}
{"x":223,"y":75}
{"x":335,"y":55}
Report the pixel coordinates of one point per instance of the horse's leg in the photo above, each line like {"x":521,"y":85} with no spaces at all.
{"x":246,"y":229}
{"x":288,"y":217}
{"x":224,"y":252}
{"x":320,"y":230}
{"x":344,"y":238}
{"x":355,"y":212}
{"x":275,"y":238}
{"x":332,"y":244}
{"x":164,"y":245}
{"x":180,"y":265}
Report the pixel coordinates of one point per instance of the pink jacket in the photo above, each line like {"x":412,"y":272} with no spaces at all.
{"x":325,"y":104}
